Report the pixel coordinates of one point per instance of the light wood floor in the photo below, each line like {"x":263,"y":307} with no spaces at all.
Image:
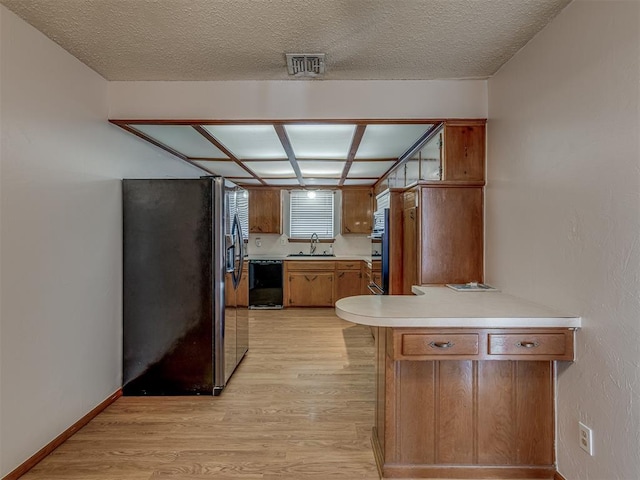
{"x":300,"y":407}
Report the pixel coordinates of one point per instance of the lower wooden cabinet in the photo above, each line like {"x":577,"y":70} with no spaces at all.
{"x":321,"y":283}
{"x":243,"y":287}
{"x":467,"y":403}
{"x":309,"y":284}
{"x":348,"y":279}
{"x":310,"y":289}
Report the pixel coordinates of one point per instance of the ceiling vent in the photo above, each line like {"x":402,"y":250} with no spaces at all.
{"x":305,"y":64}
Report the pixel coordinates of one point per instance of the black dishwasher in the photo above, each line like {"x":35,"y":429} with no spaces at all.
{"x":265,"y":284}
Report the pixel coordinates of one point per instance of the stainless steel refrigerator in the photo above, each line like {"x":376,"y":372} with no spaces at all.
{"x":183,"y":333}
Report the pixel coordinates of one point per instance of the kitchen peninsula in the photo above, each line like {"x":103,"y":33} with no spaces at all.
{"x":465,"y":382}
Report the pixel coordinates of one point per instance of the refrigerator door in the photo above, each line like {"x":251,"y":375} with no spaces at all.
{"x":167,"y":275}
{"x":242,"y":312}
{"x":227,"y":357}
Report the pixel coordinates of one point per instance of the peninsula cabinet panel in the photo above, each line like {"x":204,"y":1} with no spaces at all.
{"x":416,"y":441}
{"x":265,"y":211}
{"x":467,"y":419}
{"x":496,"y":388}
{"x":464,"y":416}
{"x":455,"y":412}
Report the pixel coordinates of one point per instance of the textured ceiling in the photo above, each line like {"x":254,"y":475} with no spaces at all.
{"x":247,"y":39}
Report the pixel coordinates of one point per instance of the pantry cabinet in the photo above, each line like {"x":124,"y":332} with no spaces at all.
{"x":442,"y":237}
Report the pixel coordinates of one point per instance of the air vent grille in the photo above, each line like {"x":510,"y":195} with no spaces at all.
{"x":305,"y":64}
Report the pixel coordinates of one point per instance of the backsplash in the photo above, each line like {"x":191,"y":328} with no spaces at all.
{"x":279,"y":245}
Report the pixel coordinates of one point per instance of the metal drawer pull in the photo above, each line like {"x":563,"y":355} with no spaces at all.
{"x":527,"y":344}
{"x":441,"y":344}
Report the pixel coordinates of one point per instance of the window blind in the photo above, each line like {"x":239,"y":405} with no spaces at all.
{"x":242,"y":200}
{"x":311,"y":215}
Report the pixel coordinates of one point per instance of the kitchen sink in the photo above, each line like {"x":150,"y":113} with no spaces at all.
{"x":311,"y":255}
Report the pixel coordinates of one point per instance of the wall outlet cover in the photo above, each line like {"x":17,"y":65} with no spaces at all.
{"x":585,"y":437}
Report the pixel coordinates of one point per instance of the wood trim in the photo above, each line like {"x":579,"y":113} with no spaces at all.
{"x":418,"y":144}
{"x":558,"y":476}
{"x":60,"y":439}
{"x":377,"y":121}
{"x":214,"y":141}
{"x":377,"y":450}
{"x":286,"y":144}
{"x":476,"y":472}
{"x":355,"y":144}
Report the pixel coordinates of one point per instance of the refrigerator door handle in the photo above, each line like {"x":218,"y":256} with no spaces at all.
{"x":237,"y":252}
{"x":229,"y":248}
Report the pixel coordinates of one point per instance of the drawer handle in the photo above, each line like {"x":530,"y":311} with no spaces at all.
{"x":441,"y":344}
{"x":527,"y":344}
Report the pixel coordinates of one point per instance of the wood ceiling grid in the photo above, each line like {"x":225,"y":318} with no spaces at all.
{"x":280,"y":130}
{"x":205,"y":133}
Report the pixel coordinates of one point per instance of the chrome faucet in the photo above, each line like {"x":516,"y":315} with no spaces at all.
{"x":314,"y":243}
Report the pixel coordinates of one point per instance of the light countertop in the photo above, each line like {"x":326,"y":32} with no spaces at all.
{"x":440,"y":306}
{"x":311,"y":258}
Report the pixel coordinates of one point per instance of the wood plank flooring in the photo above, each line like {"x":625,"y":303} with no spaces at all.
{"x":300,"y":406}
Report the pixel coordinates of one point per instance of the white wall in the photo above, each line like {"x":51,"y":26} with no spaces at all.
{"x":61,"y":254}
{"x":563,"y":215}
{"x":298,"y":99}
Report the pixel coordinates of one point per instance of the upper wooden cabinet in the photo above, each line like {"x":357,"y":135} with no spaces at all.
{"x":265,"y":211}
{"x":464,"y":152}
{"x":451,"y":235}
{"x":454,"y":153}
{"x":357,"y":210}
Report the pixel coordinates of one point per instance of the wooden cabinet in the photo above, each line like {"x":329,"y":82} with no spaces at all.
{"x":366,"y":279}
{"x":309,"y":284}
{"x":445,"y":408}
{"x":265,"y":211}
{"x":483,"y":344}
{"x":357,"y":210}
{"x":243,"y":287}
{"x":464,"y":151}
{"x":454,"y":153}
{"x":450,"y":235}
{"x":348,"y":279}
{"x":442,"y":235}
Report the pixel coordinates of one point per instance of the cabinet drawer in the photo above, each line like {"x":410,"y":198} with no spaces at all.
{"x":439,"y":344}
{"x":352,"y":265}
{"x":311,"y":266}
{"x":528,"y":344}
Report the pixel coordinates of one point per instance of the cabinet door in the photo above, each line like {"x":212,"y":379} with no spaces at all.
{"x":243,"y":288}
{"x":409,"y":248}
{"x":451,"y":234}
{"x":310,"y":289}
{"x":347,"y":284}
{"x":264,"y":211}
{"x":464,"y":147}
{"x":357,"y":213}
{"x":365,"y":281}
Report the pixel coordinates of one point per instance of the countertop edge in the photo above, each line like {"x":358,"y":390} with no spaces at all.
{"x":374,"y":320}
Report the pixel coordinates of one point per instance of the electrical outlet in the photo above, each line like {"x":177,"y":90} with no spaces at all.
{"x":585,"y":437}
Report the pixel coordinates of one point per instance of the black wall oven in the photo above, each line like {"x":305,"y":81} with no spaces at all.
{"x":380,"y":253}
